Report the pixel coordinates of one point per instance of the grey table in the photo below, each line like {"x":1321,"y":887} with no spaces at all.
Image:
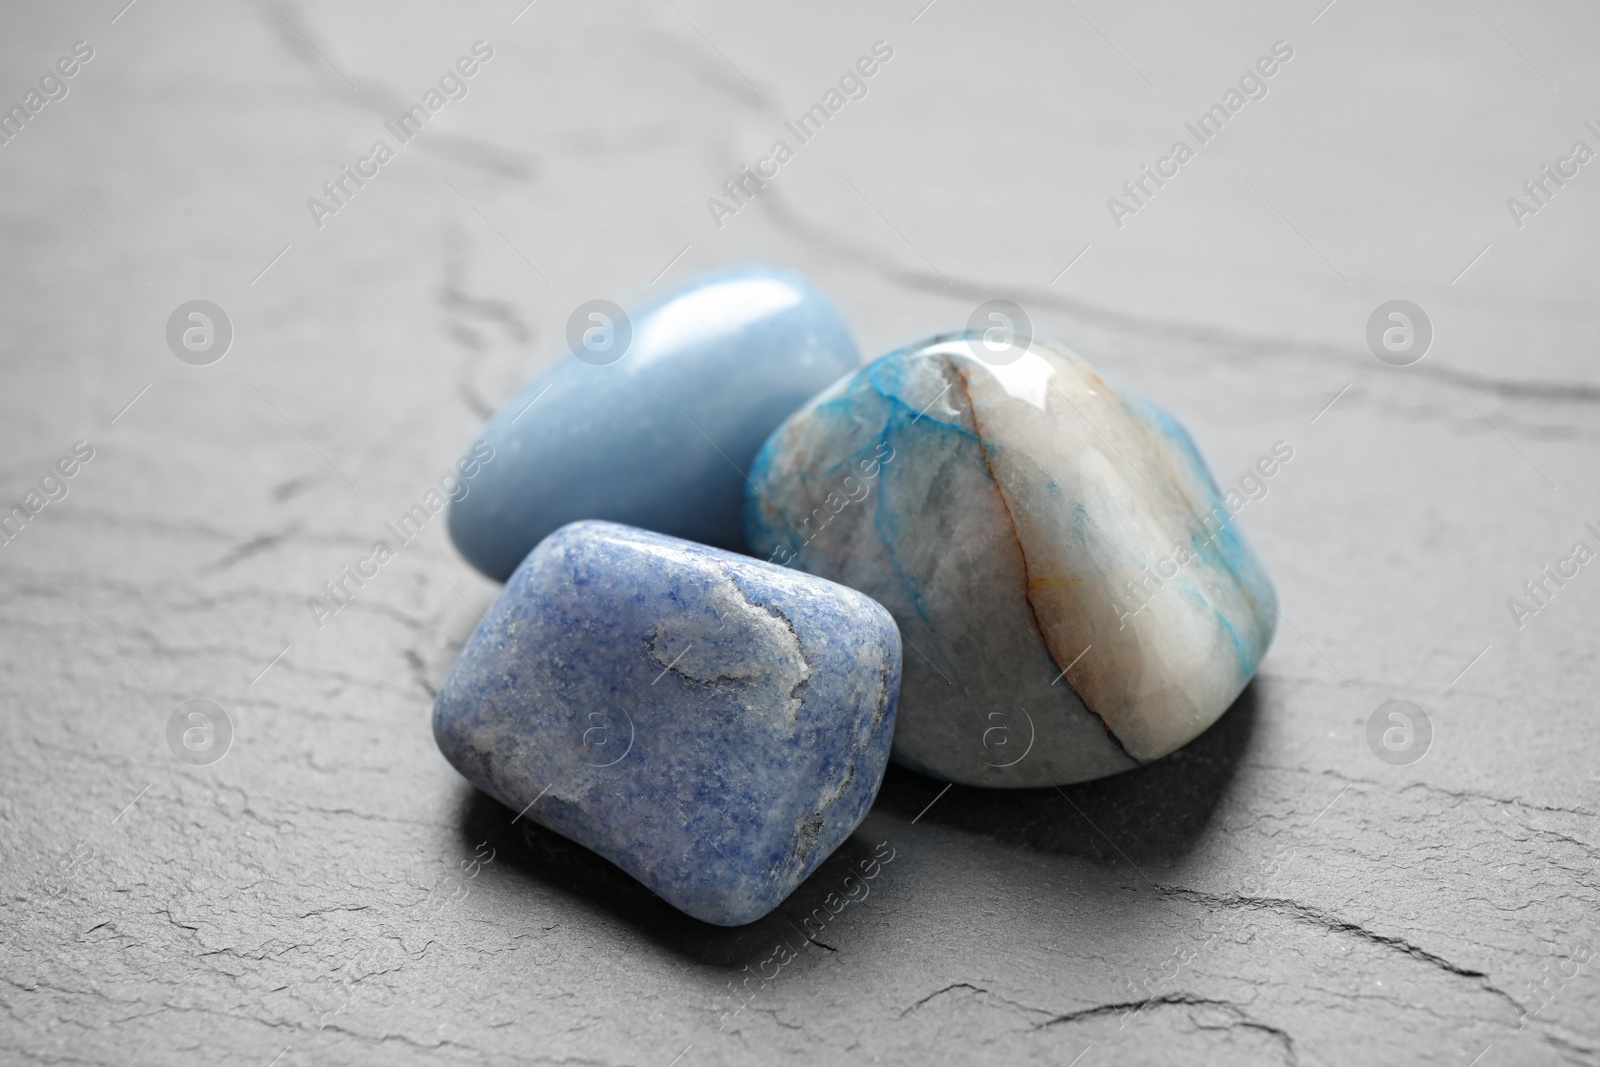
{"x":332,"y":892}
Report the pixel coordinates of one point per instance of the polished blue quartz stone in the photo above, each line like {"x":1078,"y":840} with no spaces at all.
{"x":662,"y":437}
{"x":712,"y":724}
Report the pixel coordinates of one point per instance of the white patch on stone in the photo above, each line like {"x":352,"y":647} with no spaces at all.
{"x":726,"y":639}
{"x":1027,"y":379}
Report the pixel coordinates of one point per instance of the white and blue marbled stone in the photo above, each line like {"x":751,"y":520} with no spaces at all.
{"x":662,"y":437}
{"x":714,"y":725}
{"x":1011,"y":517}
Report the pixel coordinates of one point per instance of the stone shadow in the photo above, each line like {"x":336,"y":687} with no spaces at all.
{"x":1154,"y":815}
{"x":582,"y":879}
{"x":1150,"y":817}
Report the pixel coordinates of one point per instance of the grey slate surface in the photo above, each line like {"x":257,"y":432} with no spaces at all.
{"x":331,"y":892}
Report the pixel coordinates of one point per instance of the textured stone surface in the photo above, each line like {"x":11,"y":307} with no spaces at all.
{"x":714,"y":725}
{"x":1052,"y":547}
{"x":658,"y":435}
{"x":315,"y":890}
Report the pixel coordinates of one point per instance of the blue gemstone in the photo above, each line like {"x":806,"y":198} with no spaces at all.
{"x":1069,"y":578}
{"x":714,"y":725}
{"x":662,"y":437}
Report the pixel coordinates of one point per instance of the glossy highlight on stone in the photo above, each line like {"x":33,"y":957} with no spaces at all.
{"x":1073,"y":596}
{"x":712,"y":724}
{"x":662,"y":437}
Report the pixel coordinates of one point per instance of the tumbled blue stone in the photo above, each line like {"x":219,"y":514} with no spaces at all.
{"x":662,"y":437}
{"x":1067,"y":576}
{"x":714,"y":725}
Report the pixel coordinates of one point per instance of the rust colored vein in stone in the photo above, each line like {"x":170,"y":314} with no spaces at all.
{"x":1022,"y":554}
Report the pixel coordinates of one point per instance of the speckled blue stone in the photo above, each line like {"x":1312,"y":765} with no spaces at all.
{"x":714,"y":725}
{"x":662,"y":437}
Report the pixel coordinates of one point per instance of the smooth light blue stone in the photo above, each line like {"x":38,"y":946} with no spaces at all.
{"x":714,"y":725}
{"x":662,"y":438}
